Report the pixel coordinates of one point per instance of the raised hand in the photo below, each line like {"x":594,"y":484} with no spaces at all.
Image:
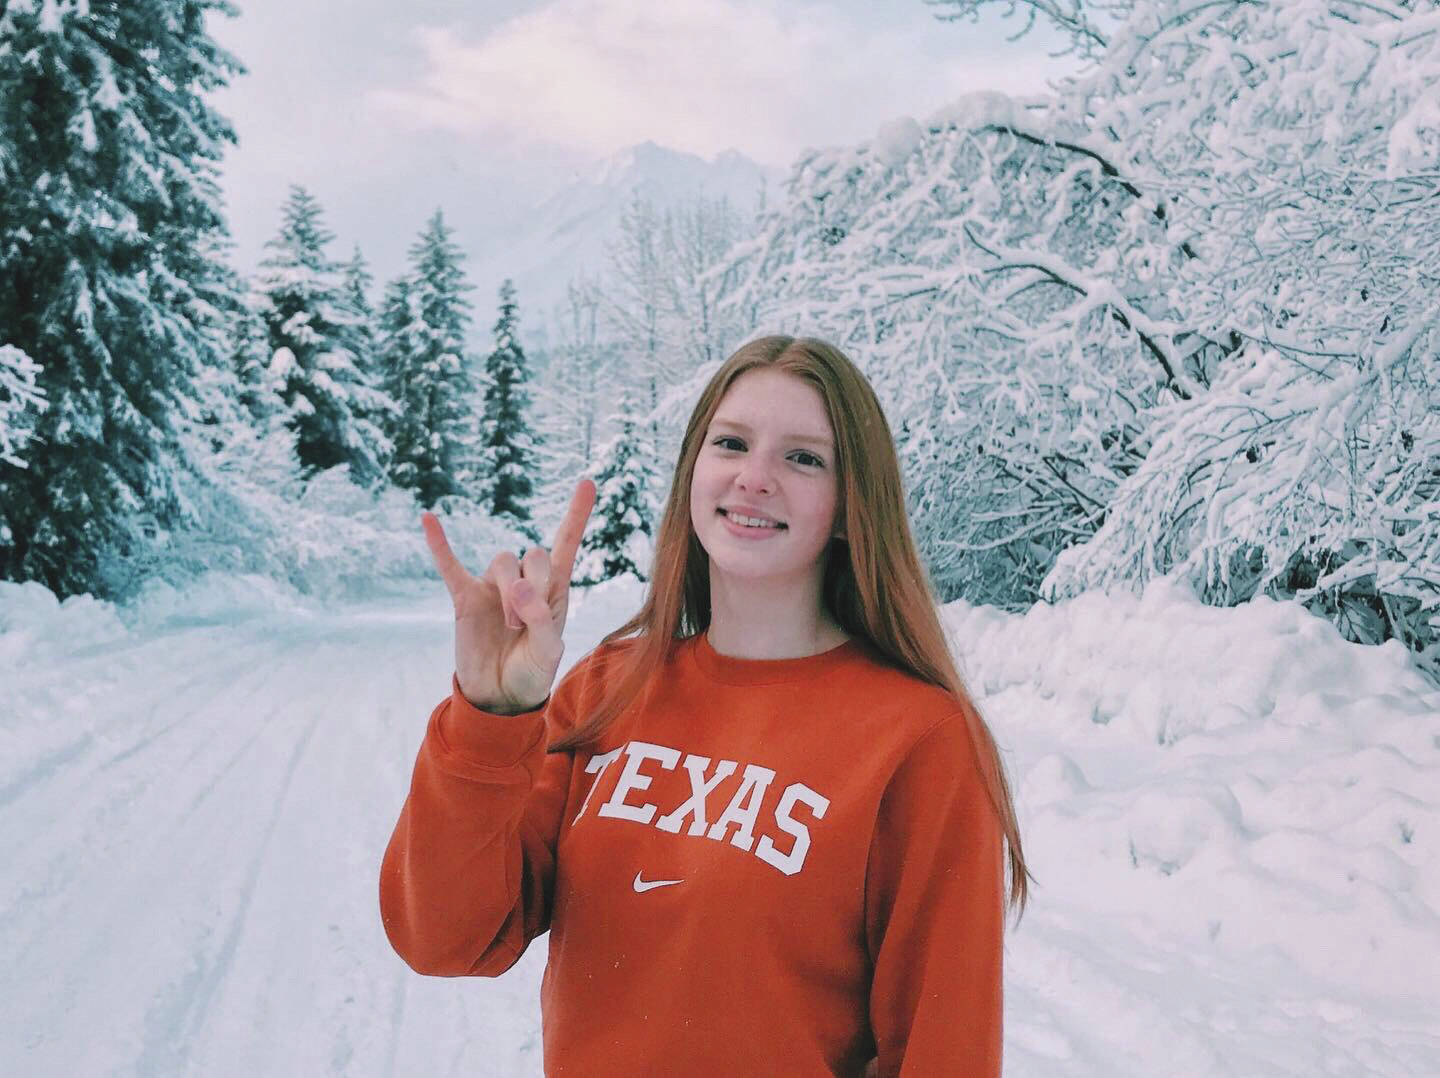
{"x":509,"y":622}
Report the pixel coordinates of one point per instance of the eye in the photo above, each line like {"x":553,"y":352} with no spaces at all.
{"x":810,"y":461}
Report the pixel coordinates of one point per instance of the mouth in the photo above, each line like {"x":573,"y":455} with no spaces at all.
{"x":779,"y":525}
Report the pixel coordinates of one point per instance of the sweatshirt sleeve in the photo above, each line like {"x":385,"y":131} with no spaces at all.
{"x":934,"y":914}
{"x":467,"y":878}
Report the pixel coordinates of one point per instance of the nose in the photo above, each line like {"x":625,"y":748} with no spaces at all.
{"x":755,"y":475}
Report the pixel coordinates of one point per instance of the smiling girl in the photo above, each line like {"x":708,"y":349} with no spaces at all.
{"x":762,"y":821}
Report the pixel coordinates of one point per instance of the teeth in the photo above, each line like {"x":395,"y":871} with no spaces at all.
{"x":751,"y":522}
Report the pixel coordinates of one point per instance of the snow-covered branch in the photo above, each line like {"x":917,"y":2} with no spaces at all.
{"x":21,"y":398}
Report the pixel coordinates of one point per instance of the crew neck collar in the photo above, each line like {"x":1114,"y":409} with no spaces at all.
{"x":735,"y":671}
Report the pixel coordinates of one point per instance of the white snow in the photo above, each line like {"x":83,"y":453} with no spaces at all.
{"x":976,"y":109}
{"x":1231,"y":814}
{"x":896,"y":140}
{"x":281,"y":362}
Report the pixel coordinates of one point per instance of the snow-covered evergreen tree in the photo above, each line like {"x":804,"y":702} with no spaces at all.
{"x":315,"y":334}
{"x":259,"y":390}
{"x":237,"y":435}
{"x":356,"y":280}
{"x":508,"y":444}
{"x":424,"y":323}
{"x":108,"y":196}
{"x":621,"y":533}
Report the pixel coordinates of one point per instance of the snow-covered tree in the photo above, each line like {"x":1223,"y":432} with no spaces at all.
{"x":662,"y":311}
{"x":424,"y":323}
{"x":1005,"y":463}
{"x":108,"y":201}
{"x":697,"y":235}
{"x":363,"y":341}
{"x":258,"y":390}
{"x":621,"y":533}
{"x":356,"y":280}
{"x":573,"y":390}
{"x":508,"y":444}
{"x":1273,"y":233}
{"x":21,"y":401}
{"x":314,"y":333}
{"x":637,"y":293}
{"x":238,"y":441}
{"x":1091,"y":316}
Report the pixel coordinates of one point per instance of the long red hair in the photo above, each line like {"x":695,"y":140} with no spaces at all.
{"x":875,"y":586}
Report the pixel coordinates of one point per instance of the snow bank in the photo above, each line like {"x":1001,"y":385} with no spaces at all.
{"x":1238,"y":782}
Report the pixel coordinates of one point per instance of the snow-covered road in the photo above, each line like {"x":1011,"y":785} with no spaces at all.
{"x":1234,"y":817}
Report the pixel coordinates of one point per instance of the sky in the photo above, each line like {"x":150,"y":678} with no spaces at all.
{"x":394,"y":110}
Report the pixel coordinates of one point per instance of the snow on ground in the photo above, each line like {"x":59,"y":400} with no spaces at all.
{"x":1231,"y":814}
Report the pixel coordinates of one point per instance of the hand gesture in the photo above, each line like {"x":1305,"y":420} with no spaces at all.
{"x":509,"y":622}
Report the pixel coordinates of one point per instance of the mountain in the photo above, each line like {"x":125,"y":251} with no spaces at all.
{"x":564,"y":233}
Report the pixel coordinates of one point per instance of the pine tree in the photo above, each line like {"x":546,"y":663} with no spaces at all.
{"x":109,"y":207}
{"x":423,"y":327}
{"x":355,"y":297}
{"x":363,"y":341}
{"x":315,"y":334}
{"x":237,"y":428}
{"x":509,"y":446}
{"x":626,"y":503}
{"x":259,"y":389}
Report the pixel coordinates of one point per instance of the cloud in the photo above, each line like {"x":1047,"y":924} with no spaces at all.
{"x":699,"y":75}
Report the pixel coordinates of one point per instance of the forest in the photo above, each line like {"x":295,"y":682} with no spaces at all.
{"x":1178,"y":318}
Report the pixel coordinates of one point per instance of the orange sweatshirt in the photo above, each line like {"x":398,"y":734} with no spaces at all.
{"x":775,"y":867}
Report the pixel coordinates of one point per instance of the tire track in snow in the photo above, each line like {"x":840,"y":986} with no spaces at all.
{"x":106,"y":857}
{"x":79,"y":794}
{"x":43,"y":768}
{"x":49,"y":766}
{"x":172,"y":1020}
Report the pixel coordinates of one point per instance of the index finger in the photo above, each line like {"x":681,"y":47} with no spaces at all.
{"x":570,"y":532}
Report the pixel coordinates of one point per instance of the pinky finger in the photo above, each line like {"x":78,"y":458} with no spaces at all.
{"x":451,"y":571}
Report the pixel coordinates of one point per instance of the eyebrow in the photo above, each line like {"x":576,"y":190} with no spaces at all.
{"x":810,"y":438}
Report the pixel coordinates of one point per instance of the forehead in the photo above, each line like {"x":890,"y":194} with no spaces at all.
{"x":777,"y":402}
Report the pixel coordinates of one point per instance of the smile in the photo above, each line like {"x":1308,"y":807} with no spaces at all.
{"x":741,"y":525}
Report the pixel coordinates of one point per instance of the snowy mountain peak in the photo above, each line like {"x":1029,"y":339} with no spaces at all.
{"x":565,"y":233}
{"x":664,"y":173}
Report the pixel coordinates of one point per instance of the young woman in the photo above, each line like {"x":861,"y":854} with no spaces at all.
{"x":762,"y":820}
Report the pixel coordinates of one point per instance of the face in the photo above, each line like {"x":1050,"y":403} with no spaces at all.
{"x":769,"y":452}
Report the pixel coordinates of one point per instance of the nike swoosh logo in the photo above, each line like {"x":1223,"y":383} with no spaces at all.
{"x":643,"y":886}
